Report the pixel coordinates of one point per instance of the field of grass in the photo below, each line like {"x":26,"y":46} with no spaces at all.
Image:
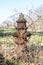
{"x":9,"y":46}
{"x":10,"y":40}
{"x":7,"y":30}
{"x":36,"y":38}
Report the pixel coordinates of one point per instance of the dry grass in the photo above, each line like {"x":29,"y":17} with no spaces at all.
{"x":11,"y":51}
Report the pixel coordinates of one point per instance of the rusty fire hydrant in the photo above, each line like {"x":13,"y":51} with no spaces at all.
{"x":21,"y":34}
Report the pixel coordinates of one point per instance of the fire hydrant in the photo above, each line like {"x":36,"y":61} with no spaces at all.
{"x":21,"y":34}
